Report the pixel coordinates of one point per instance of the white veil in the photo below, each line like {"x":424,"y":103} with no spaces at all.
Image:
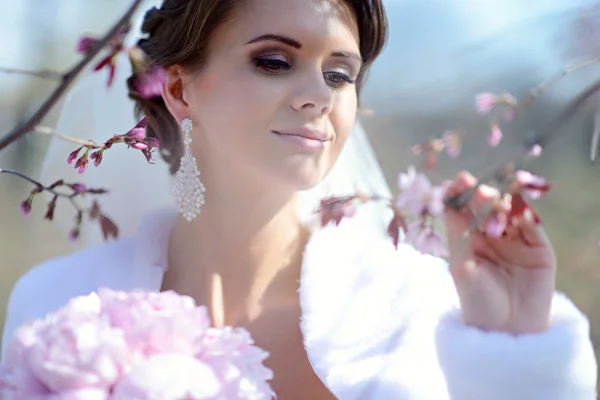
{"x":93,"y":111}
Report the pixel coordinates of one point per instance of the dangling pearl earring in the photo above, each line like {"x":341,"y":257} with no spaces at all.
{"x":188,"y":190}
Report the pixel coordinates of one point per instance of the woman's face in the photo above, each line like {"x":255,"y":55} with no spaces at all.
{"x":276,"y":100}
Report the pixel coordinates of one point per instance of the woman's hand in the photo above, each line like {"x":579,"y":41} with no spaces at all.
{"x":504,"y":284}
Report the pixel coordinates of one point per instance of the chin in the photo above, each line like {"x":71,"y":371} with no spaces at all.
{"x":300,"y":179}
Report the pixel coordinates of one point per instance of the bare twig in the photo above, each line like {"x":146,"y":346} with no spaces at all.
{"x":595,"y":136}
{"x":45,"y":130}
{"x":22,"y":176}
{"x":38,"y":74}
{"x":68,"y":78}
{"x":541,"y":88}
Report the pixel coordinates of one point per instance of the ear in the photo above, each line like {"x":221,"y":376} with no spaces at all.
{"x":172,"y":93}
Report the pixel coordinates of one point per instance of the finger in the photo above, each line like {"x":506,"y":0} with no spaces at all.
{"x":519,"y":253}
{"x":532,"y":232}
{"x":457,"y":227}
{"x":481,"y":248}
{"x":483,"y":203}
{"x":463,"y":182}
{"x":457,"y":230}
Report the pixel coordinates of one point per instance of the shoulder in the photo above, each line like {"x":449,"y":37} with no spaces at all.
{"x":125,"y":264}
{"x":49,"y":285}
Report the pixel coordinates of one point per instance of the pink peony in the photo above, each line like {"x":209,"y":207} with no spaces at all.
{"x":156,"y":322}
{"x":71,"y":350}
{"x":169,"y":377}
{"x":238,"y":363}
{"x":132,"y":345}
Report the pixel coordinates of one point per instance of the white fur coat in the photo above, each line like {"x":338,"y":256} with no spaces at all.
{"x":378,"y":323}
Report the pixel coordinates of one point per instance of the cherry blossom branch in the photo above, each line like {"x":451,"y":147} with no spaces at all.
{"x":46,"y":130}
{"x":68,"y":78}
{"x":37,"y":74}
{"x":108,"y":227}
{"x":542,"y":140}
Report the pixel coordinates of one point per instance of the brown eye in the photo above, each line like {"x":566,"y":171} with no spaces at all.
{"x":338,"y":79}
{"x":271,"y":66}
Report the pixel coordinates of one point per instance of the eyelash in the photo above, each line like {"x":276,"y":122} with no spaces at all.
{"x":270,"y":66}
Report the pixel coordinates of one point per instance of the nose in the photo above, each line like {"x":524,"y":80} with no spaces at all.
{"x":313,"y":95}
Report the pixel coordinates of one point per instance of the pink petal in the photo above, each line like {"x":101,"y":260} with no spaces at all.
{"x":485,"y":102}
{"x":495,"y":136}
{"x":496,"y":225}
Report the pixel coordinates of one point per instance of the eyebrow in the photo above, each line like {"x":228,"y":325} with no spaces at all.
{"x":269,"y":37}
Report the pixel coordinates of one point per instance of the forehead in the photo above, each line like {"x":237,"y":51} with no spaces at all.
{"x":308,"y":21}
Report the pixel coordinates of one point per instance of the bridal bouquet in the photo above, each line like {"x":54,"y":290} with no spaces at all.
{"x":136,"y":345}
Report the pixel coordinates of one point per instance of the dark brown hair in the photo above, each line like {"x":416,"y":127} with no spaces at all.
{"x":179,"y":33}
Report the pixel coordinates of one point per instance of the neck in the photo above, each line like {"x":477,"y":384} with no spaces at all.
{"x":241,"y":253}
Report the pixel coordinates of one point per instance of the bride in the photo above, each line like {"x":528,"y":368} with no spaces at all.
{"x":261,"y":97}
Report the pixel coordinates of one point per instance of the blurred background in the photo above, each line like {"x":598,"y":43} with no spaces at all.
{"x":441,"y":53}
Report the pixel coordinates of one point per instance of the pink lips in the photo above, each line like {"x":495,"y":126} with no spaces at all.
{"x":307,"y":133}
{"x":306,"y":138}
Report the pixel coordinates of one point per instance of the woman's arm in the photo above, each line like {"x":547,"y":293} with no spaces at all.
{"x":557,"y":364}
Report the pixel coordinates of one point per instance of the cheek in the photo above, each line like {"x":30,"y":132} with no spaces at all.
{"x":235,"y":91}
{"x":343,"y":118}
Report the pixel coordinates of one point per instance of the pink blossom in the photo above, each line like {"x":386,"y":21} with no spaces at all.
{"x":74,"y":234}
{"x":86,"y":43}
{"x":425,"y":239}
{"x":419,"y":195}
{"x":148,"y":84}
{"x":536,"y":150}
{"x":496,"y":224}
{"x":73,"y":155}
{"x":97,"y":157}
{"x":485,"y":102}
{"x":78,"y":187}
{"x":495,"y":135}
{"x":452,"y":143}
{"x":169,"y":377}
{"x":139,"y":146}
{"x":25,"y":207}
{"x":138,"y":132}
{"x":531,"y":184}
{"x":82,"y":163}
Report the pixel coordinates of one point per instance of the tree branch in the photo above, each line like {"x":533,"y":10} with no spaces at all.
{"x":45,"y":130}
{"x":543,"y":139}
{"x":38,"y":74}
{"x":67,"y":79}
